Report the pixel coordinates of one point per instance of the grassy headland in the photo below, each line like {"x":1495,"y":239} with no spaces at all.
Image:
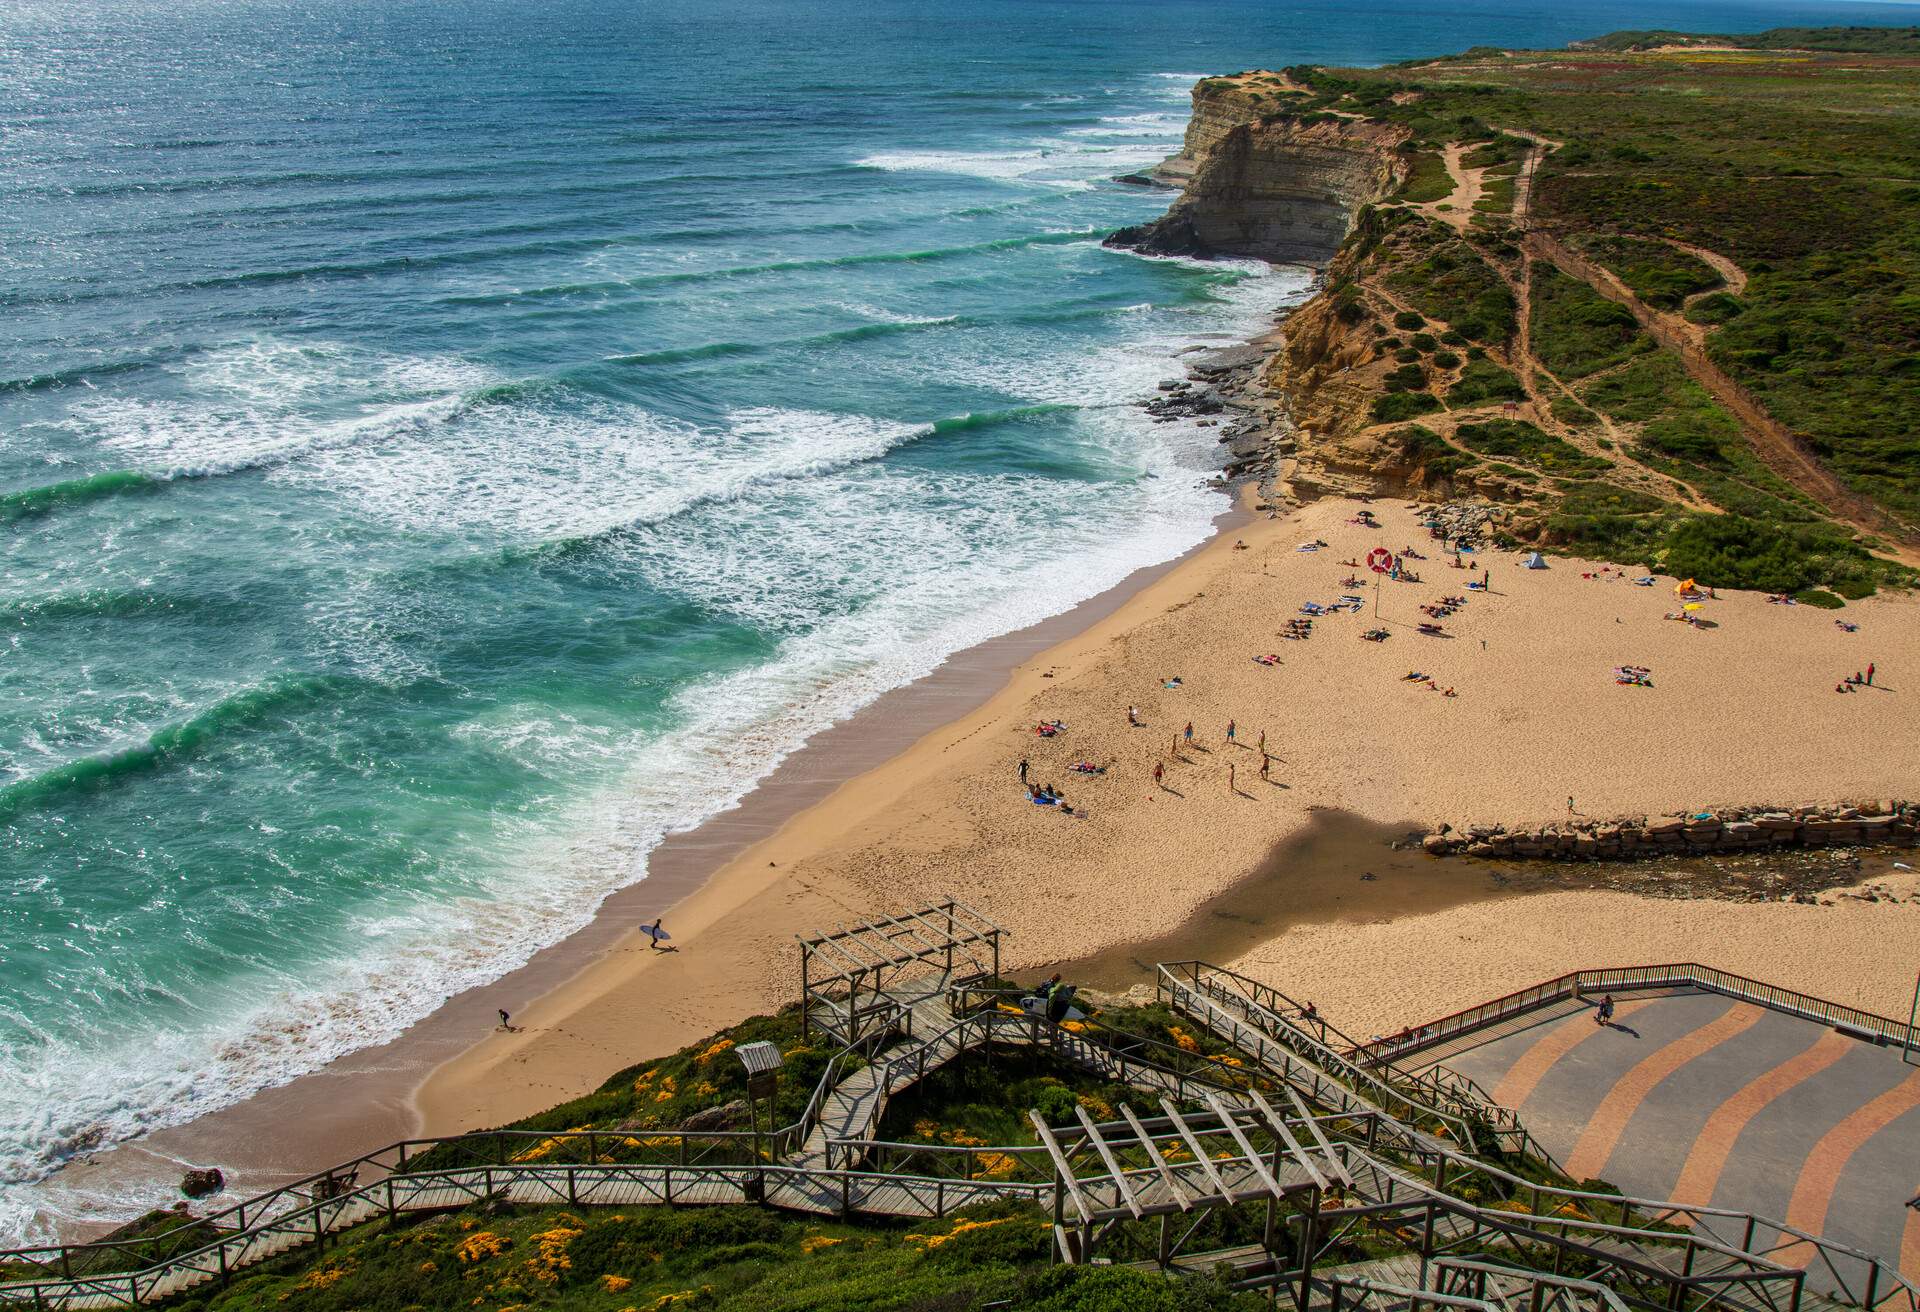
{"x":1661,"y":291}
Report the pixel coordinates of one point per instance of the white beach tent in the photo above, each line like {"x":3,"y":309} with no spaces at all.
{"x":1535,"y":562}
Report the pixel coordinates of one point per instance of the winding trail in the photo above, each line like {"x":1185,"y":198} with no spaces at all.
{"x":1773,"y":441}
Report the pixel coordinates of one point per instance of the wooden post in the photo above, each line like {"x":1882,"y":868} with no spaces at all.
{"x":1309,"y":1237}
{"x":806,"y":992}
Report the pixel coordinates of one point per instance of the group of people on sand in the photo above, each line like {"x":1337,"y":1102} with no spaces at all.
{"x":1857,"y":681}
{"x":1419,"y":676}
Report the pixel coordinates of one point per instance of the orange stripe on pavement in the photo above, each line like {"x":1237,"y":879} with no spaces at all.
{"x":1609,"y":1120}
{"x":1708,"y":1157}
{"x":1813,"y":1191}
{"x":1518,"y":1084}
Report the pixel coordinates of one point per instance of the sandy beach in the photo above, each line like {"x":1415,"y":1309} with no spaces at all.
{"x":1741,"y":712}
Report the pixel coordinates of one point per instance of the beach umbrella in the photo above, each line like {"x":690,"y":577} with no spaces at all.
{"x":1682,"y":589}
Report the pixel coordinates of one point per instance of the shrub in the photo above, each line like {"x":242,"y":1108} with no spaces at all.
{"x":1396,"y":406}
{"x":1407,"y":320}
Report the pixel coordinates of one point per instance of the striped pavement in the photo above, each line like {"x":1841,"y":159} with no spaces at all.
{"x":1704,"y":1099}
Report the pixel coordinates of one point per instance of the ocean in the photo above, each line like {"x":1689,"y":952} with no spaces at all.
{"x":446,"y":446}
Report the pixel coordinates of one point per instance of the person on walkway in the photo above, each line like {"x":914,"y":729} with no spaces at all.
{"x":1159,"y":774}
{"x":1023,"y":769}
{"x":1604,"y":1014}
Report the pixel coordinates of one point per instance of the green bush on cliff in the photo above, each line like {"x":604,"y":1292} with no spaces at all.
{"x":1576,"y":331}
{"x":1483,"y":381}
{"x":1517,"y":440}
{"x":1394,"y":407}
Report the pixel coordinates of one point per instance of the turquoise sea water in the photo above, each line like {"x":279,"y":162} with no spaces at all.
{"x":446,"y":446}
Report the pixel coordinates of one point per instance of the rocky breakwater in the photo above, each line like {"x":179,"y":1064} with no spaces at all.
{"x":1260,"y":181}
{"x":1688,"y":833}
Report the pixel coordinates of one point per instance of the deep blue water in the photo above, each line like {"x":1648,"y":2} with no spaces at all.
{"x":446,"y":446}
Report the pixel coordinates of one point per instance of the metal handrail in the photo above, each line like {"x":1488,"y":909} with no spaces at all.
{"x":1618,"y":979}
{"x":1876,"y":1276}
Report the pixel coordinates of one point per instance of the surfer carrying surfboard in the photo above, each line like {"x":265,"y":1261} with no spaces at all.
{"x":656,"y":936}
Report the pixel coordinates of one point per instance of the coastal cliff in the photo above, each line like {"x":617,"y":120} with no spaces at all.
{"x":1260,"y":181}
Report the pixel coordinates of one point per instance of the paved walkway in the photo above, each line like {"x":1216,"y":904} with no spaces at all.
{"x":1702,"y":1099}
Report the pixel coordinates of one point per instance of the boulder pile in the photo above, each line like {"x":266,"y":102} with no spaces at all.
{"x":1687,"y":832}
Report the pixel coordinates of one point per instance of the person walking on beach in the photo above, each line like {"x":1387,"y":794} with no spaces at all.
{"x":1188,"y":735}
{"x":1159,"y":775}
{"x":1569,"y":806}
{"x":1231,"y":727}
{"x":1869,"y":674}
{"x":654,"y":934}
{"x":1133,"y":716}
{"x":1263,"y":742}
{"x":1023,"y":769}
{"x":1233,"y":785}
{"x":506,"y":1021}
{"x":1266,"y":766}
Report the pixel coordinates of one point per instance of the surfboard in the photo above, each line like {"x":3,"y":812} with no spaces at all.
{"x":655,"y":933}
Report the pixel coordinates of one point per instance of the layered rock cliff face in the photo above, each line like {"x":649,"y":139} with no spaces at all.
{"x":1264,"y":183}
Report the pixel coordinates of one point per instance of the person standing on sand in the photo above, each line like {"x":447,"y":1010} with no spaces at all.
{"x":1233,"y":785}
{"x":506,"y":1021}
{"x":1159,"y":774}
{"x":1231,"y":727}
{"x":1023,"y":769}
{"x":1133,"y":716}
{"x":1266,"y":764}
{"x":1263,"y":742}
{"x":1869,"y":674}
{"x":1188,"y":735}
{"x":1569,"y":806}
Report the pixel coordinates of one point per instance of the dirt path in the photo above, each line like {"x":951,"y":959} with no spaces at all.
{"x":1523,"y":182}
{"x":1774,"y":442}
{"x":1456,"y":209}
{"x":1730,"y":273}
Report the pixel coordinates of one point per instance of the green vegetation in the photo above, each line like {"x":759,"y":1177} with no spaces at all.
{"x":1427,"y":179}
{"x":1517,"y":440}
{"x":1576,"y":331}
{"x":1447,"y":279}
{"x":1424,"y":449}
{"x":1658,"y":274}
{"x":745,"y":1259}
{"x":1483,"y":381}
{"x":1396,"y":406}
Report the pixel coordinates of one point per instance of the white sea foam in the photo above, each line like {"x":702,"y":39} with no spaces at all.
{"x":254,"y":406}
{"x":745,"y":516}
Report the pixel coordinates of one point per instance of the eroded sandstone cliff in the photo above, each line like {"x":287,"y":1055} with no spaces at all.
{"x":1259,"y":181}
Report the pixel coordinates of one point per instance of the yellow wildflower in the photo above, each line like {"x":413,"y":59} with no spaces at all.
{"x":614,"y":1284}
{"x":481,"y":1245}
{"x":713,"y":1050}
{"x":550,"y":1254}
{"x":814,"y":1243}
